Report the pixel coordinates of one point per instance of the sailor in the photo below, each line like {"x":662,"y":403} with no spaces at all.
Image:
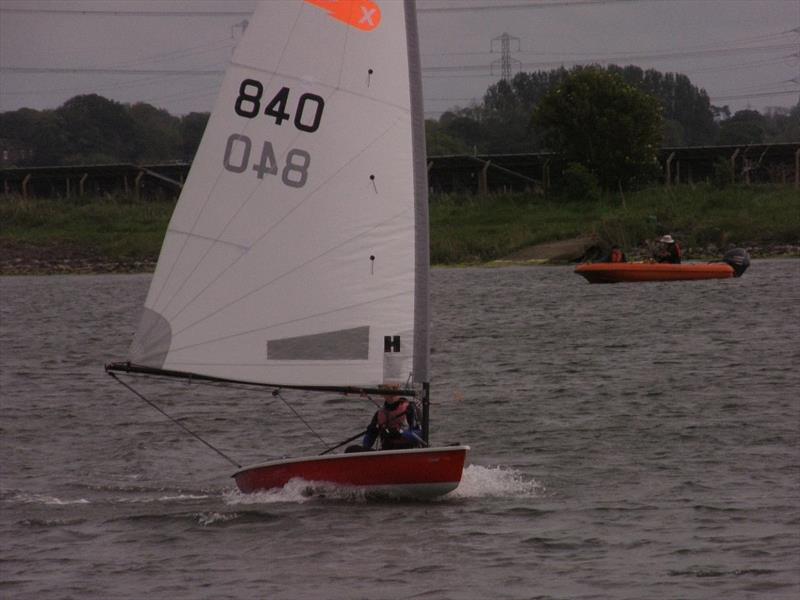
{"x":616,"y":255}
{"x":395,"y":423}
{"x":667,"y":250}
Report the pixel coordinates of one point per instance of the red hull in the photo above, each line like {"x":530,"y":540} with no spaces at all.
{"x":629,"y":272}
{"x":422,"y":472}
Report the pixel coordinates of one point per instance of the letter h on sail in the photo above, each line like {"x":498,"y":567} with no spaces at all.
{"x":391,"y":343}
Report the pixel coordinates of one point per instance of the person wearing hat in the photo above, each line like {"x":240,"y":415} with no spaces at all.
{"x":668,"y":250}
{"x":395,"y":423}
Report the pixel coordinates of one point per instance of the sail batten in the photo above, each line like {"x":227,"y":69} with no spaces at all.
{"x":215,"y":240}
{"x":294,"y":254}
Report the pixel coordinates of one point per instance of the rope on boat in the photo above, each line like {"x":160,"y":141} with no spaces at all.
{"x":178,"y":423}
{"x":277,"y":394}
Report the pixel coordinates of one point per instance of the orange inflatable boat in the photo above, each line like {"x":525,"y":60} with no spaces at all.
{"x":735,"y":262}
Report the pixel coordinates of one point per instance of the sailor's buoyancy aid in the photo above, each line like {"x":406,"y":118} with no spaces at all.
{"x":394,"y":419}
{"x":616,"y":255}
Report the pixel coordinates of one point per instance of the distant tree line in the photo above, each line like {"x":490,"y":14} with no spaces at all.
{"x":526,"y":114}
{"x":504,"y":121}
{"x":90,"y":129}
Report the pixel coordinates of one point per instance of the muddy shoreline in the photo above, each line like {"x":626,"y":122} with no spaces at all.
{"x":65,"y":259}
{"x":69,"y":259}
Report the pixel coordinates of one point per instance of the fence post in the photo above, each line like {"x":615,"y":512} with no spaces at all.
{"x":25,"y":186}
{"x":669,"y":169}
{"x":483,"y":179}
{"x":81,"y":184}
{"x":797,"y":169}
{"x":136,"y":184}
{"x":733,"y":163}
{"x":546,"y":176}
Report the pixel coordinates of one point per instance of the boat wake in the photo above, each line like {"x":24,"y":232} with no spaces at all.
{"x":476,"y":482}
{"x":297,"y":491}
{"x":33,"y":498}
{"x":494,"y":482}
{"x":140,"y":497}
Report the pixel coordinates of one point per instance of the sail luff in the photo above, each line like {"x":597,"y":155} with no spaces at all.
{"x":420,"y":169}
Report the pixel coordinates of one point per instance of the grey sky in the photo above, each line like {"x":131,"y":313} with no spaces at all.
{"x":744,"y":53}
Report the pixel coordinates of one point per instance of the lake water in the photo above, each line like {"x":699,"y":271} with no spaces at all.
{"x":628,"y":441}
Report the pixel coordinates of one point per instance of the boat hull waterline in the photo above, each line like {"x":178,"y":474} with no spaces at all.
{"x":417,"y":473}
{"x":635,"y":272}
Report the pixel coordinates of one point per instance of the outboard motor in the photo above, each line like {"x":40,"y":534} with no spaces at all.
{"x":739,"y":259}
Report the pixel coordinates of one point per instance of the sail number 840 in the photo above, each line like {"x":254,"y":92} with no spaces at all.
{"x":248,"y":105}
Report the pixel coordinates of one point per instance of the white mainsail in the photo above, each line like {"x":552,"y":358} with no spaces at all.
{"x":298,"y":250}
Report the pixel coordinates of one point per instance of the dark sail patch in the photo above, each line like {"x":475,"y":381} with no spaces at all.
{"x":345,"y":344}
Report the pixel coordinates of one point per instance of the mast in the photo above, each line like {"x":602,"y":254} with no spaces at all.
{"x":422,"y":240}
{"x":420,"y":174}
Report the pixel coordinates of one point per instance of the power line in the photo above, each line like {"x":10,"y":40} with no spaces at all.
{"x":635,"y":56}
{"x":75,"y":90}
{"x":213,"y":46}
{"x":425,"y":70}
{"x":756,"y":95}
{"x":737,"y":43}
{"x":127,"y":13}
{"x":761,"y":88}
{"x":440,"y":9}
{"x":112,"y":71}
{"x":451,"y":99}
{"x":738,"y":66}
{"x":203,"y":92}
{"x":522,"y":5}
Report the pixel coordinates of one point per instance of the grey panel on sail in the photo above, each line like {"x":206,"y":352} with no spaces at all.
{"x":152,"y":340}
{"x":346,"y":344}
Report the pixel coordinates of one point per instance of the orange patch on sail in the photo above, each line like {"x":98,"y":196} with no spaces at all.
{"x":361,"y":14}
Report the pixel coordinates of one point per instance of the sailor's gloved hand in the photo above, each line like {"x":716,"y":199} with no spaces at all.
{"x":414,"y":436}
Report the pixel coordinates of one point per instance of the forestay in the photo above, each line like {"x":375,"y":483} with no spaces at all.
{"x":298,"y":251}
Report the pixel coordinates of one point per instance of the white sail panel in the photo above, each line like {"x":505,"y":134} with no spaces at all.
{"x":290,"y":258}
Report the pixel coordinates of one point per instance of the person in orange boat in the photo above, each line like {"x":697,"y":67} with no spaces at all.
{"x":667,"y":250}
{"x":615,"y":255}
{"x":395,"y":423}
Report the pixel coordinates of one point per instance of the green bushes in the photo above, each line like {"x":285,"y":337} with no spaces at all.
{"x":118,"y":227}
{"x":580,"y":184}
{"x":464,"y":228}
{"x":474,"y":229}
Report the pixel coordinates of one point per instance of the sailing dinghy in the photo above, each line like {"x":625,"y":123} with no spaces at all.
{"x":297,"y":255}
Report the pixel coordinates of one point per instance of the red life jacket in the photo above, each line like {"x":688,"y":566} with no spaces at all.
{"x":616,"y":255}
{"x":394,"y":419}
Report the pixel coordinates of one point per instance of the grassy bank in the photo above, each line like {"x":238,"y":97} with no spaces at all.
{"x":464,"y":229}
{"x":116,"y":228}
{"x":473,"y":228}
